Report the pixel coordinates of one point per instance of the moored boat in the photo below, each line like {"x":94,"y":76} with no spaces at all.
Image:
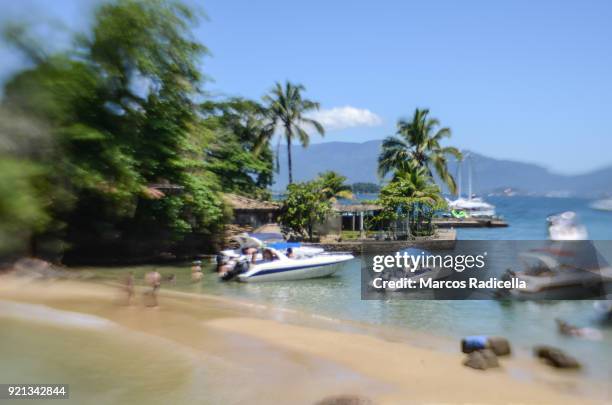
{"x":280,"y":261}
{"x":574,"y":272}
{"x":565,"y":226}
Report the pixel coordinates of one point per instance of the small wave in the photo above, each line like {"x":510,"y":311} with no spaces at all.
{"x":44,"y":314}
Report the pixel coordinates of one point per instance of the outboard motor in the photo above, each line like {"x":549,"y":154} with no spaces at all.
{"x":241,"y":267}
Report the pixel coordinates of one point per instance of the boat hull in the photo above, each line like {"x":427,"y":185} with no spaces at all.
{"x":293,"y":271}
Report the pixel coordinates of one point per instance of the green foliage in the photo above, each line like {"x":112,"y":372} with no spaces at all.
{"x":310,"y":202}
{"x":411,"y":195}
{"x":21,"y":206}
{"x":120,"y":112}
{"x":417,"y":142}
{"x":334,"y":187}
{"x":287,"y":109}
{"x":242,"y":164}
{"x":305,"y":205}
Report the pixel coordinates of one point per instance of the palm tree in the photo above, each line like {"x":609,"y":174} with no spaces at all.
{"x":411,"y":195}
{"x":286,"y":108}
{"x":417,"y":142}
{"x":334,"y":187}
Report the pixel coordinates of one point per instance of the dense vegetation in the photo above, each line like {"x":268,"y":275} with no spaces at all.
{"x":111,"y":147}
{"x":311,"y":202}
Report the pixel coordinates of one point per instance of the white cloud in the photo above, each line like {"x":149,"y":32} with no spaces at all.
{"x":346,"y":117}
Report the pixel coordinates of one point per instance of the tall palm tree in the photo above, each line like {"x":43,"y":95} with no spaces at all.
{"x":417,"y":142}
{"x":286,"y":108}
{"x":334,"y":186}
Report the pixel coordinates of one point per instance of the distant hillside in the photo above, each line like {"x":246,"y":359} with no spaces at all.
{"x":357,"y":161}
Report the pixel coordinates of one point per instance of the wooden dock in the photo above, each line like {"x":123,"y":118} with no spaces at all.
{"x":469,"y":223}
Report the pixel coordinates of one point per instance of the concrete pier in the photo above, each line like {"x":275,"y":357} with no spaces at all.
{"x":469,"y":222}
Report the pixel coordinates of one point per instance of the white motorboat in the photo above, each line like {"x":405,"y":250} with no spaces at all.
{"x":559,"y":274}
{"x":272,"y":263}
{"x":602,"y":205}
{"x":565,"y":226}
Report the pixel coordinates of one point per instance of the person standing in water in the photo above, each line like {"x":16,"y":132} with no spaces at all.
{"x":153,"y":280}
{"x":128,"y":287}
{"x":196,"y":271}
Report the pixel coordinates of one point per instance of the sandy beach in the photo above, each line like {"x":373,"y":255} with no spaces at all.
{"x":277,"y":358}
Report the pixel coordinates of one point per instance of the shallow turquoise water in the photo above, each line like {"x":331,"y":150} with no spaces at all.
{"x":525,"y":323}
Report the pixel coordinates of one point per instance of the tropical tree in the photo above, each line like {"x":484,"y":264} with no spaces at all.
{"x":119,"y":109}
{"x":242,"y":165}
{"x":305,"y":205}
{"x":411,"y":195}
{"x":418,"y":142}
{"x":287,"y":109}
{"x":334,"y":186}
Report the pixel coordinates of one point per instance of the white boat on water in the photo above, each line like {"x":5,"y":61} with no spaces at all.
{"x":602,"y":205}
{"x":561,"y":274}
{"x":272,"y":263}
{"x":565,"y":226}
{"x":472,"y":206}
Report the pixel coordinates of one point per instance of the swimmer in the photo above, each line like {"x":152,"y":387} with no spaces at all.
{"x":153,"y":280}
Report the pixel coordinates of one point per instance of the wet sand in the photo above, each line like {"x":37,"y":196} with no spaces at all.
{"x":263,"y":355}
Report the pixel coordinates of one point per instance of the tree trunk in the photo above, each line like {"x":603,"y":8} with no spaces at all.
{"x":289,"y":160}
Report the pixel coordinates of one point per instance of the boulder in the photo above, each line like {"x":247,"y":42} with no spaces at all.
{"x":556,"y":357}
{"x":499,"y":345}
{"x":490,"y":357}
{"x":481,"y":359}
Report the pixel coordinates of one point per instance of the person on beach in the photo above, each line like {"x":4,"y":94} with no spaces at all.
{"x":128,"y":287}
{"x":153,"y":280}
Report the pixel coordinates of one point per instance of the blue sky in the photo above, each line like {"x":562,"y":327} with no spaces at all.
{"x":523,"y":80}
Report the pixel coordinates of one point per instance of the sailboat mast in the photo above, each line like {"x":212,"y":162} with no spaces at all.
{"x":458,"y":179}
{"x":469,"y":177}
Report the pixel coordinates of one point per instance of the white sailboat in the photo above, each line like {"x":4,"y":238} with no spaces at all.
{"x":473,"y":206}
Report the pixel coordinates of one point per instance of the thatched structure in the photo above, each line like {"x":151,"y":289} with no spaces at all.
{"x":252,"y":212}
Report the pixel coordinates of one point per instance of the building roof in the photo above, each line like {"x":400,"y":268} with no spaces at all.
{"x":356,"y":207}
{"x":239,"y":202}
